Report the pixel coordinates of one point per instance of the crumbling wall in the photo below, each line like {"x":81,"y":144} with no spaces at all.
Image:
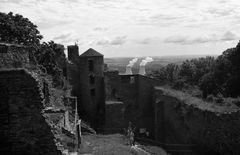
{"x":114,"y":114}
{"x":210,"y":128}
{"x":14,"y":56}
{"x":73,"y":77}
{"x":135,"y":91}
{"x":22,"y":123}
{"x":112,"y":83}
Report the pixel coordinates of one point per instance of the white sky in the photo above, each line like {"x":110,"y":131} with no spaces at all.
{"x":135,"y":27}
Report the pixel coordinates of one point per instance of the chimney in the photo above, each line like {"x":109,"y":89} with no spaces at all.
{"x":128,"y":70}
{"x":142,"y":70}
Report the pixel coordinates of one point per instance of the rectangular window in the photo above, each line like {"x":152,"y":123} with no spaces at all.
{"x":90,"y":65}
{"x":92,"y":92}
{"x":91,"y":79}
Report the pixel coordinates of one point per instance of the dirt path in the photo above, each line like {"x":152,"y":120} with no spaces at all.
{"x":114,"y":144}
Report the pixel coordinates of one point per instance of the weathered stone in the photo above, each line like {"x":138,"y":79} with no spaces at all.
{"x":181,"y":123}
{"x":23,"y":128}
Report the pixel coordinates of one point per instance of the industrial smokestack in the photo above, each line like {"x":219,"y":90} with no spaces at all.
{"x":130,"y":65}
{"x":142,"y":70}
{"x":143,"y":64}
{"x":128,"y":70}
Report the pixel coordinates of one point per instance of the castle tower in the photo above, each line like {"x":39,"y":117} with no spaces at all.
{"x":73,"y":53}
{"x":92,"y":97}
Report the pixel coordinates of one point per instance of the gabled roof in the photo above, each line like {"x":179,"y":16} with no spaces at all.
{"x":91,"y":53}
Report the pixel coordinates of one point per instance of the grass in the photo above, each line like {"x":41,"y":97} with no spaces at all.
{"x":197,"y":102}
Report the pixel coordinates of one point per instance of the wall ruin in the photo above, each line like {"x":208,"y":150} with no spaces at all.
{"x":23,"y":127}
{"x":135,"y":91}
{"x":209,"y":129}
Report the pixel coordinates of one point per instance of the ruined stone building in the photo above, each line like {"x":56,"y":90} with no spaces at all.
{"x":86,"y":75}
{"x":108,"y":100}
{"x":23,"y":127}
{"x":175,"y":121}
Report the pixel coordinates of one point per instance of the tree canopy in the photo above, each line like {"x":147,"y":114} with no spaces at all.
{"x":19,"y":30}
{"x":219,"y":77}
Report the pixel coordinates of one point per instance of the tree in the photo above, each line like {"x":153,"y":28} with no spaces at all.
{"x":159,"y":74}
{"x":228,"y":70}
{"x":202,"y":67}
{"x":18,"y":30}
{"x":187,"y":71}
{"x":208,"y":85}
{"x":51,"y":56}
{"x":171,"y":71}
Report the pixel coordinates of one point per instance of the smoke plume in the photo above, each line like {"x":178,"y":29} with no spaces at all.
{"x":145,"y":61}
{"x":132,"y":62}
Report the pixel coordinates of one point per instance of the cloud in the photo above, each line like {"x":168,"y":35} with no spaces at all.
{"x":100,"y":29}
{"x":63,"y":36}
{"x":176,"y":39}
{"x":229,"y":36}
{"x":167,"y":17}
{"x":162,"y":19}
{"x":48,"y":23}
{"x":147,"y":40}
{"x":66,"y":37}
{"x":103,"y":41}
{"x":187,"y":40}
{"x":91,"y":20}
{"x":119,"y":40}
{"x":104,"y":4}
{"x":221,"y":12}
{"x":11,"y":1}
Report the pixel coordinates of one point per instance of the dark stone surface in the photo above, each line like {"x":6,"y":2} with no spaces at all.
{"x":114,"y":114}
{"x":73,"y":53}
{"x":15,"y":56}
{"x":177,"y":122}
{"x":90,"y":107}
{"x":93,"y":104}
{"x":22,"y":125}
{"x":136,"y":92}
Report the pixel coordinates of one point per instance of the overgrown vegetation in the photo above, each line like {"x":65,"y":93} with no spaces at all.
{"x":16,"y":29}
{"x":214,"y":78}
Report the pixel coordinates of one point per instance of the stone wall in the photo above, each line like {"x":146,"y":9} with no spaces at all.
{"x":23,"y":127}
{"x":181,"y":119}
{"x":14,"y":56}
{"x":135,"y":91}
{"x":112,"y":83}
{"x":114,"y":114}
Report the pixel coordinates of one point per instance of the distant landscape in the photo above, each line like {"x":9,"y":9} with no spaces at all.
{"x":120,"y":63}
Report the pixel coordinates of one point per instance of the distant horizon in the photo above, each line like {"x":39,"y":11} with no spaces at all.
{"x":197,"y":55}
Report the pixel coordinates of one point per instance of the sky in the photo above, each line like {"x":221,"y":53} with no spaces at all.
{"x":123,"y":28}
